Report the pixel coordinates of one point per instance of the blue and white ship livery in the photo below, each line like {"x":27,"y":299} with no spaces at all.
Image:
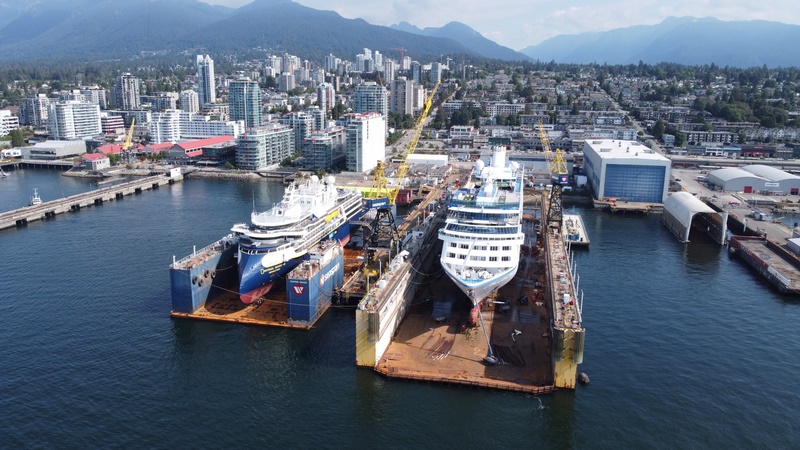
{"x":277,"y":240}
{"x":482,"y":235}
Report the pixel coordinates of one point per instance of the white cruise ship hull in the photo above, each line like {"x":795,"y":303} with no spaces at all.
{"x":478,"y":290}
{"x":482,"y":235}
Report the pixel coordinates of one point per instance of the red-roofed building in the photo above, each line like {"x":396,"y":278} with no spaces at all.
{"x":95,"y":161}
{"x":155,"y":149}
{"x":116,"y":149}
{"x":217,"y":149}
{"x":109,"y":149}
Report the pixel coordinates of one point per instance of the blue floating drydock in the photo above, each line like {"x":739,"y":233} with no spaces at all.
{"x":193,"y":277}
{"x":310,"y":285}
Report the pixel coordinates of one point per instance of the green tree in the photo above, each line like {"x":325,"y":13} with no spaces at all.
{"x":17,"y":140}
{"x":338,"y":110}
{"x":680,"y":139}
{"x":658,"y":129}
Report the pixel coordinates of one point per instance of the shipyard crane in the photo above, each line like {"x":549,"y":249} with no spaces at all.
{"x":382,"y":231}
{"x":559,"y":176}
{"x":128,"y":143}
{"x":379,"y":187}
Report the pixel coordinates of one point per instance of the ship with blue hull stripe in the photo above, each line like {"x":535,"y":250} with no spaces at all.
{"x":277,"y":240}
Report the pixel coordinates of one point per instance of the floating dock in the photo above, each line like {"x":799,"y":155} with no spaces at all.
{"x":434,"y":343}
{"x":533,"y":322}
{"x":574,"y":231}
{"x":778,"y":266}
{"x":292,"y":303}
{"x":624,"y":206}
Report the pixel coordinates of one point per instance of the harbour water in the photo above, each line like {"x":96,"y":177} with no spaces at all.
{"x":685,"y":346}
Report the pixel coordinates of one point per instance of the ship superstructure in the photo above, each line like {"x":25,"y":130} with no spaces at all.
{"x":275,"y":241}
{"x":482,"y":235}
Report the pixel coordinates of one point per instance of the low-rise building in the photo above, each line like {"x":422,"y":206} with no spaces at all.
{"x":53,"y":150}
{"x":193,"y":151}
{"x":95,"y":161}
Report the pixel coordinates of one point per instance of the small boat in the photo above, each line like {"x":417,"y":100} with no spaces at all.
{"x":3,"y":174}
{"x":35,"y":200}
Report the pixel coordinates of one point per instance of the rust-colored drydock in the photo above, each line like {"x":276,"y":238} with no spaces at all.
{"x":439,"y":346}
{"x":270,"y":311}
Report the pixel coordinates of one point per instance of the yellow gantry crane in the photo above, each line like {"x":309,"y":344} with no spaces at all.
{"x":556,"y":164}
{"x":559,"y":176}
{"x":128,"y":143}
{"x":379,"y":187}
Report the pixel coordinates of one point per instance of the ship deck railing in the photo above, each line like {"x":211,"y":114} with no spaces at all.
{"x":206,"y":249}
{"x":490,"y":204}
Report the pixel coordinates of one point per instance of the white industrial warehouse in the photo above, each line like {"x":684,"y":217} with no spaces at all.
{"x":626,"y":170}
{"x":754,"y":178}
{"x":679,"y":210}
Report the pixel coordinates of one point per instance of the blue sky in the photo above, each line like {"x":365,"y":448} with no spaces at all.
{"x":519,"y":23}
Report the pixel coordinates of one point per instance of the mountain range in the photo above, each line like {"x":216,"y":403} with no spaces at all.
{"x":463,"y":34}
{"x":683,"y":40}
{"x":107,"y":29}
{"x":90,"y":30}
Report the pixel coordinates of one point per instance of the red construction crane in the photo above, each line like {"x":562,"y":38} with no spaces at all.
{"x":402,"y":54}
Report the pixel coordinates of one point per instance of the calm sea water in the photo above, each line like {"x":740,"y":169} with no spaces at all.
{"x":686,"y":348}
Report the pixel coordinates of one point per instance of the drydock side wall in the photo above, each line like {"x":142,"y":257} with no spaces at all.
{"x":310,"y":285}
{"x":375,"y":329}
{"x":211,"y":269}
{"x":566,"y":331}
{"x":381,"y":311}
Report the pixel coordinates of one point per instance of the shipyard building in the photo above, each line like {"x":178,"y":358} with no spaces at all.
{"x":626,"y":170}
{"x":754,"y":178}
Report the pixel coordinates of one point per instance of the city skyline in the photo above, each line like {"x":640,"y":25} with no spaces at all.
{"x":519,"y":24}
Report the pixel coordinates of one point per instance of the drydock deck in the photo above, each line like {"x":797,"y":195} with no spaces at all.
{"x":270,"y":311}
{"x":433,"y":343}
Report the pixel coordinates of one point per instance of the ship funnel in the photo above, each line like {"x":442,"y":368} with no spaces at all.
{"x":499,"y":157}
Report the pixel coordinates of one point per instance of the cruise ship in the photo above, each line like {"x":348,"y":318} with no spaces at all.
{"x":276,"y":241}
{"x":482,"y":235}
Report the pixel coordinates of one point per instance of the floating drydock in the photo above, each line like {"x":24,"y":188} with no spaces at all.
{"x":416,"y":325}
{"x":566,"y":308}
{"x":297,"y":302}
{"x":777,"y":265}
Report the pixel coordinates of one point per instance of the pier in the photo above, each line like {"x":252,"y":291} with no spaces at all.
{"x":15,"y":164}
{"x":23,"y":216}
